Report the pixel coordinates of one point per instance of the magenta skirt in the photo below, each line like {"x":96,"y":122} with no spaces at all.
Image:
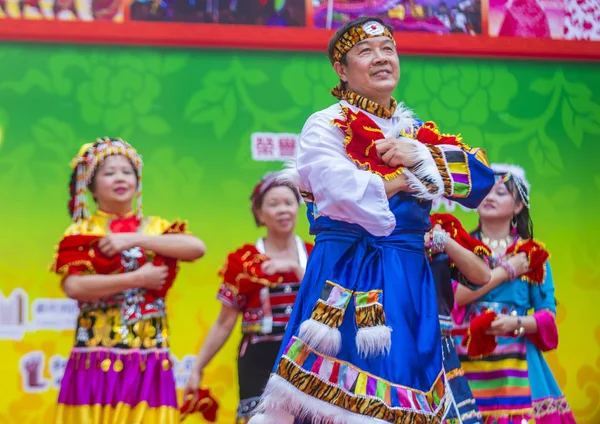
{"x":103,"y":385}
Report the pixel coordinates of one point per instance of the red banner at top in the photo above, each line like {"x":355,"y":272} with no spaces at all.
{"x":552,"y":29}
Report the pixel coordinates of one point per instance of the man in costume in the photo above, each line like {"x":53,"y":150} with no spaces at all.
{"x":363,"y":341}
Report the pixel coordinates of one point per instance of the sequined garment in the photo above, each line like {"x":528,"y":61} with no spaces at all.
{"x":120,"y":363}
{"x":514,"y":383}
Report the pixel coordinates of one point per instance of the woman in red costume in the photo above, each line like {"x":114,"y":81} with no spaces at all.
{"x":119,"y":266}
{"x":260,"y":283}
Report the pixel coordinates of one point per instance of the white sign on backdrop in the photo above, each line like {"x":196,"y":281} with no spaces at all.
{"x":54,"y":314}
{"x":14,"y":315}
{"x":273,"y":146}
{"x":32,"y":366}
{"x":46,"y":314}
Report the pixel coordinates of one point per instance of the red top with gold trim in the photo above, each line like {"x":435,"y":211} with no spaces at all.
{"x":265,"y":301}
{"x":135,"y":318}
{"x":454,"y":228}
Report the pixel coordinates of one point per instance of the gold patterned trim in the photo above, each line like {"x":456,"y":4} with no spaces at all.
{"x":370,"y":316}
{"x":551,"y":405}
{"x":371,"y":407}
{"x":357,"y":34}
{"x":363,"y":103}
{"x":480,"y":154}
{"x":307,"y":196}
{"x":327,"y":314}
{"x":106,"y":328}
{"x":440,"y":162}
{"x":249,"y":259}
{"x":63,"y":271}
{"x":458,"y":372}
{"x":507,"y":412}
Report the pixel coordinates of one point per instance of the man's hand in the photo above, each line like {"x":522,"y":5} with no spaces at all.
{"x":396,"y":185}
{"x":397,"y":152}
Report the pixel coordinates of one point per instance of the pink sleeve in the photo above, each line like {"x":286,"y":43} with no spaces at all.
{"x":458,"y":312}
{"x":230,"y":296}
{"x":546,"y":337}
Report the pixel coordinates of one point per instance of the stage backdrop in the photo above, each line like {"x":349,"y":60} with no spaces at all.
{"x":193,"y":113}
{"x":557,"y":29}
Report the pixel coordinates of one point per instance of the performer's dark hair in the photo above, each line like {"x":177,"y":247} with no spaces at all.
{"x":523,"y":218}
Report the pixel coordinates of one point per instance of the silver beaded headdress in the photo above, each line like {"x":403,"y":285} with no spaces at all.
{"x":86,"y":163}
{"x":505,"y":172}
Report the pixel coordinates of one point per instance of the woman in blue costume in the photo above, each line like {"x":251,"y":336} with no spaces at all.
{"x":363,"y":343}
{"x":513,"y":384}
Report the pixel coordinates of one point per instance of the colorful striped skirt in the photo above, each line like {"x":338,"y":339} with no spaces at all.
{"x":462,"y":409}
{"x":499,"y":382}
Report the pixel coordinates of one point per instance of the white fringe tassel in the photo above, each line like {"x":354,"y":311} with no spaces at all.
{"x":272,"y":417}
{"x":279,"y":394}
{"x":289,"y":173}
{"x":425,"y":169}
{"x":321,"y":337}
{"x":374,"y":341}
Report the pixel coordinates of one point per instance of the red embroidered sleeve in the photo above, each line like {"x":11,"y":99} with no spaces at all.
{"x":242,"y":276}
{"x":361,"y":132}
{"x":79,"y":254}
{"x":454,"y":228}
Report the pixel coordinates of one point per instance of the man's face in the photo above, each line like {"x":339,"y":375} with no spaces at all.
{"x":373,"y":67}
